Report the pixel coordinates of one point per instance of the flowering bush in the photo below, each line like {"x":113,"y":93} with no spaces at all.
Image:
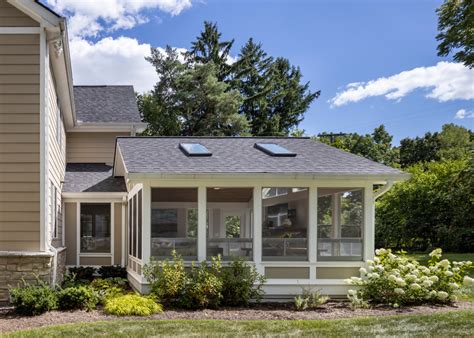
{"x":397,"y":280}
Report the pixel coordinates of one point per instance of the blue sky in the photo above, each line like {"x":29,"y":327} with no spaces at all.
{"x":335,"y":43}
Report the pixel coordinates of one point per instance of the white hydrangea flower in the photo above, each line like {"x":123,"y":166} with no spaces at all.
{"x":377,"y":260}
{"x":370,"y":262}
{"x":375,"y":275}
{"x":399,"y":291}
{"x":379,"y":252}
{"x":410,"y":266}
{"x":392,"y":278}
{"x":427,"y":283}
{"x":454,"y":286}
{"x":410,"y":277}
{"x":444,"y":263}
{"x":434,"y":279}
{"x":379,"y":267}
{"x":371,"y":268}
{"x":415,"y":286}
{"x":442,"y":295}
{"x":363,"y":271}
{"x":395,"y":305}
{"x":352,"y":292}
{"x":436,"y":253}
{"x":356,"y":279}
{"x":467,"y":281}
{"x":400,"y":281}
{"x":448,"y":273}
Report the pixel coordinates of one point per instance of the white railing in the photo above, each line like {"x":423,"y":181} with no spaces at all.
{"x":288,"y":248}
{"x":230,"y":247}
{"x":163,"y":247}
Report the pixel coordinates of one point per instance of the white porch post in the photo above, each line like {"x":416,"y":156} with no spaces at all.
{"x":312,"y":229}
{"x":257,"y":228}
{"x":369,"y":221}
{"x":201,"y":234}
{"x":146,"y":222}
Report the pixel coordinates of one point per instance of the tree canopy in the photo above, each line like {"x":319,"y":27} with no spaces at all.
{"x":456,"y":32}
{"x":206,"y":92}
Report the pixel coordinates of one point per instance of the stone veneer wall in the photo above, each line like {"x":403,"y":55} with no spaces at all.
{"x":28,"y":266}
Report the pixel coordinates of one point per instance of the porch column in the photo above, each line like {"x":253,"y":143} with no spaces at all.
{"x":312,"y":225}
{"x":369,"y":223}
{"x":146,"y":222}
{"x":257,"y":227}
{"x":201,"y":234}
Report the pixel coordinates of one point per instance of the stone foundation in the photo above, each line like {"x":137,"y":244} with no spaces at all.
{"x":28,"y":266}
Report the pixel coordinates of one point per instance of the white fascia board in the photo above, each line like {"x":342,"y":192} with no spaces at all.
{"x":120,"y":169}
{"x":103,"y":127}
{"x":36,"y":12}
{"x":375,"y":179}
{"x":93,"y":195}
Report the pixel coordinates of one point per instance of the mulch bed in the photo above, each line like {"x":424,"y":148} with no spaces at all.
{"x":9,"y":321}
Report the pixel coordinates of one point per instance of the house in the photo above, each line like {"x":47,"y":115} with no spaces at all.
{"x":78,"y":187}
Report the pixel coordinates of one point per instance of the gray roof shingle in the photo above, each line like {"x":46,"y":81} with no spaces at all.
{"x":105,"y":104}
{"x":92,"y":177}
{"x":238,"y":155}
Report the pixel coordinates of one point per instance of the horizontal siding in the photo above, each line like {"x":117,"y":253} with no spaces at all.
{"x":11,"y":16}
{"x":91,"y":147}
{"x":19,"y":136}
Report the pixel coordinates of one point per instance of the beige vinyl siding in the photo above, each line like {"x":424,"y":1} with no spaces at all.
{"x":19,"y":136}
{"x":10,"y":16}
{"x":56,"y":157}
{"x":70,"y":211}
{"x":91,"y":147}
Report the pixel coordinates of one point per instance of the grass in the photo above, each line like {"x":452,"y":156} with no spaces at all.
{"x":456,"y":323}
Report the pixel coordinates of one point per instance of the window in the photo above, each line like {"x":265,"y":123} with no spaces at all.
{"x":340,"y":224}
{"x":230,"y":228}
{"x":174,"y":222}
{"x":274,"y":149}
{"x":285,"y":224}
{"x":95,"y":227}
{"x":194,"y":149}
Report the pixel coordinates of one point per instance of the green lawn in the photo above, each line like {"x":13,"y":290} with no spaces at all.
{"x":424,"y":257}
{"x":459,"y":324}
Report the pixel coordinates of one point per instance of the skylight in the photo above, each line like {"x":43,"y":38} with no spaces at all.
{"x":194,"y":149}
{"x":274,"y":149}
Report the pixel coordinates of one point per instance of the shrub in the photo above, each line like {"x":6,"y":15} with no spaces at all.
{"x":81,"y":297}
{"x":310,"y":300}
{"x":32,"y":300}
{"x":201,"y":287}
{"x":398,"y":281}
{"x":240,"y":283}
{"x":109,"y":288}
{"x":112,"y":271}
{"x":82,"y":273}
{"x":132,"y":305}
{"x":167,"y":279}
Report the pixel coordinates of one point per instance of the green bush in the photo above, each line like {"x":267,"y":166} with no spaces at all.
{"x":32,"y":300}
{"x":310,"y":300}
{"x":241,"y":283}
{"x":132,"y":305}
{"x":81,"y":297}
{"x":112,"y":271}
{"x":200,"y":287}
{"x":82,"y":273}
{"x":109,"y":288}
{"x":397,"y":280}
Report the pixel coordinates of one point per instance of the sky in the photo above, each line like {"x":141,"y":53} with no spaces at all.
{"x":374,"y":61}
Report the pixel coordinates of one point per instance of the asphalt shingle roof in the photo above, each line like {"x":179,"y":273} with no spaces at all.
{"x":238,"y":155}
{"x":92,"y":177}
{"x":105,"y":104}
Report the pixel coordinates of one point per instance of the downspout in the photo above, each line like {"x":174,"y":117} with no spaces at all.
{"x":384,"y":189}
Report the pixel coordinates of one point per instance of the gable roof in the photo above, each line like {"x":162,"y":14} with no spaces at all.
{"x":239,"y":155}
{"x":92,"y":177}
{"x":106,"y":104}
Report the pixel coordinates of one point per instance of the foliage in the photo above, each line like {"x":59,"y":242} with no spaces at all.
{"x":398,"y":281}
{"x":109,"y":288}
{"x":455,"y":21}
{"x":241,"y":283}
{"x":419,"y":149}
{"x":32,"y":300}
{"x":82,"y":273}
{"x":310,"y":300}
{"x":112,"y":271}
{"x":132,"y":305}
{"x":376,"y":146}
{"x":432,"y":209}
{"x":205,"y":92}
{"x":80,"y":297}
{"x":203,"y":285}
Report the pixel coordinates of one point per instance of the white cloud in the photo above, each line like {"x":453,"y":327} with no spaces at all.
{"x":88,"y":18}
{"x":111,"y":61}
{"x":463,"y":114}
{"x":445,"y":81}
